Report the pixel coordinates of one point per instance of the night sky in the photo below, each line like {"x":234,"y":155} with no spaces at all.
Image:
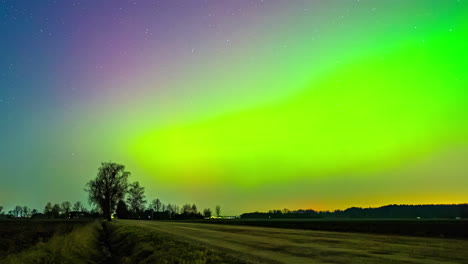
{"x":253,"y":105}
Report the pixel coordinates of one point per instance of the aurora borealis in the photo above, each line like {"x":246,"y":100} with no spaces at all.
{"x":253,"y":105}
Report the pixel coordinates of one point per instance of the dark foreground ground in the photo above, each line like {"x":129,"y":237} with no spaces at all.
{"x":131,"y":241}
{"x":443,"y":228}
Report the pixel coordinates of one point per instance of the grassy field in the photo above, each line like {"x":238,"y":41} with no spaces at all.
{"x":446,"y":228}
{"x":65,"y":241}
{"x":45,"y":241}
{"x":275,"y":245}
{"x":132,"y":241}
{"x":16,"y":235}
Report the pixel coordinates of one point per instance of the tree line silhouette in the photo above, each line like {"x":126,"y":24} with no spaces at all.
{"x":450,"y":211}
{"x":63,"y":210}
{"x":112,"y":195}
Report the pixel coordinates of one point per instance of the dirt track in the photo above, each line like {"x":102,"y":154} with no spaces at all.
{"x":274,"y":245}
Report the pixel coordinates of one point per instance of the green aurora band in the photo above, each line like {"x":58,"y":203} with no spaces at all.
{"x":372,"y":113}
{"x":253,"y":105}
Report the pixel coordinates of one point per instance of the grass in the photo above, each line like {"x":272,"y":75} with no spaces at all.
{"x":132,"y":241}
{"x":135,"y":244}
{"x":98,"y":242}
{"x":17,"y":235}
{"x":78,"y":245}
{"x":275,"y":245}
{"x":425,"y":227}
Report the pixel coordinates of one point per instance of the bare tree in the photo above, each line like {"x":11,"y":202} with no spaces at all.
{"x":66,"y":207}
{"x":218,"y":211}
{"x":108,"y":188}
{"x":186,"y":209}
{"x":56,"y":210}
{"x":26,"y":211}
{"x":136,"y":197}
{"x":121,"y":211}
{"x":170,"y":209}
{"x":78,"y":207}
{"x":194,"y":209}
{"x":18,"y":211}
{"x":48,"y":208}
{"x":156,"y":205}
{"x":207,"y":213}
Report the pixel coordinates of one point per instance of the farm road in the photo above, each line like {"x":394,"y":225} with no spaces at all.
{"x":275,"y":245}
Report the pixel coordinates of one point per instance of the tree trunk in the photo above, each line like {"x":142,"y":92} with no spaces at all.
{"x":107,"y":212}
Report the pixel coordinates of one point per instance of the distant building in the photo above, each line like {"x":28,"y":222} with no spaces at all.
{"x":224,"y":217}
{"x":78,"y":215}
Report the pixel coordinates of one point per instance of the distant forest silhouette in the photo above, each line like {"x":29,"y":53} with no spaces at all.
{"x":451,"y":211}
{"x":112,"y":196}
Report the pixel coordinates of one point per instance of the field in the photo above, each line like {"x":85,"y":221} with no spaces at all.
{"x":446,"y":228}
{"x":49,"y":241}
{"x":20,"y":234}
{"x":275,"y":245}
{"x":131,"y":241}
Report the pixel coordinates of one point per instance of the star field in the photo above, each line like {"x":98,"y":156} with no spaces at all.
{"x":297,"y":104}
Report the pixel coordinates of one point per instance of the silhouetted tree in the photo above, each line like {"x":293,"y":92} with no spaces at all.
{"x":48,"y":209}
{"x":78,"y":207}
{"x":1,"y":208}
{"x":218,"y":211}
{"x":95,"y":211}
{"x":170,"y":210}
{"x":108,"y":188}
{"x":122,"y":210}
{"x":34,"y":211}
{"x":186,"y":209}
{"x":136,"y":198}
{"x":156,"y":205}
{"x":66,"y":207}
{"x":389,"y":211}
{"x":18,"y":211}
{"x":56,"y":210}
{"x":194,"y":209}
{"x":207,"y":213}
{"x":25,"y":211}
